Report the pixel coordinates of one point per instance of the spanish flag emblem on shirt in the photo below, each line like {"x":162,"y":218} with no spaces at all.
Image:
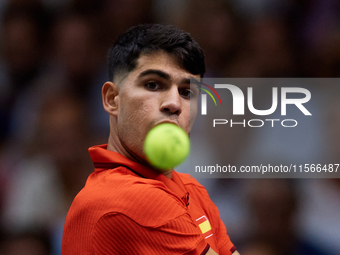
{"x":204,"y":224}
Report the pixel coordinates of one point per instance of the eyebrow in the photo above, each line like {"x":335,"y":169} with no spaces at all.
{"x":156,"y":72}
{"x":166,"y":76}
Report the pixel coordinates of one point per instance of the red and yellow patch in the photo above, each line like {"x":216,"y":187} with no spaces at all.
{"x":204,"y":224}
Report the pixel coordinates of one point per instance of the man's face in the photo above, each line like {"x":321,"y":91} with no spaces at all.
{"x":156,"y":91}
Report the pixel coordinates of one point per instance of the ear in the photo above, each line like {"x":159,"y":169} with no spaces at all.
{"x":110,"y":97}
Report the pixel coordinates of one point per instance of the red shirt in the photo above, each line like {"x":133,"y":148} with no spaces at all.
{"x":128,"y":208}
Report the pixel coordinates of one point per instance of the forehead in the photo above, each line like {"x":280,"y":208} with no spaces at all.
{"x":158,"y":58}
{"x":162,"y":61}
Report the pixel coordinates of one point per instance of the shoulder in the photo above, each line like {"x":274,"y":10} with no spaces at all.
{"x":187,"y":179}
{"x":199,"y":194}
{"x":192,"y":184}
{"x":148,"y":202}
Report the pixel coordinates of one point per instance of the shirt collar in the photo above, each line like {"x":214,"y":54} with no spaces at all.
{"x":105,"y":159}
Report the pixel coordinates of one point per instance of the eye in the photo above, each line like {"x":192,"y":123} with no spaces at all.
{"x":186,"y":93}
{"x":152,"y":86}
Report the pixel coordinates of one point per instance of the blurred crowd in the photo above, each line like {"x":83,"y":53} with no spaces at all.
{"x":52,"y":67}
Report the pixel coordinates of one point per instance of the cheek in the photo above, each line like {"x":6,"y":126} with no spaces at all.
{"x":133,"y":122}
{"x":193,"y":112}
{"x":188,"y":116}
{"x":135,"y":113}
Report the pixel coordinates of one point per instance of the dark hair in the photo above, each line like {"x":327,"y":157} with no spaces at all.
{"x":148,"y":38}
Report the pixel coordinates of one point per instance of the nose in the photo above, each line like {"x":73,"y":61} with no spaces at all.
{"x":171,"y":102}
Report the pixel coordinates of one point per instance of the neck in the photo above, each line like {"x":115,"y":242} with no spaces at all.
{"x":168,"y":174}
{"x":115,"y":145}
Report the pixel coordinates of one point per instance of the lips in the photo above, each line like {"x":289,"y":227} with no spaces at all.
{"x":167,"y":121}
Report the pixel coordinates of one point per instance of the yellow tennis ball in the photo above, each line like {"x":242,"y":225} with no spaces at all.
{"x":166,"y":146}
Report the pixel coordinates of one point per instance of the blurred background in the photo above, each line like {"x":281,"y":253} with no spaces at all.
{"x":52,"y":67}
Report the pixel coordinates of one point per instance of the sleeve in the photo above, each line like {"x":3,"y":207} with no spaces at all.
{"x":116,"y":233}
{"x":225,"y":245}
